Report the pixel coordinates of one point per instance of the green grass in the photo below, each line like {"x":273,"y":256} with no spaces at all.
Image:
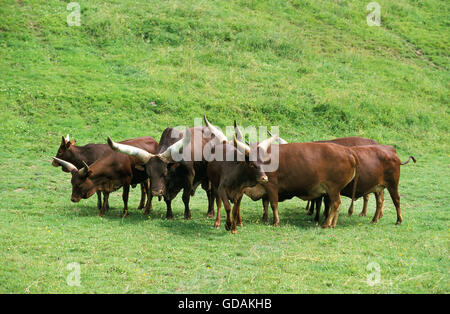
{"x":314,"y":68}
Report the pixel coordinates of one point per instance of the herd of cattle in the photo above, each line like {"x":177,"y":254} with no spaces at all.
{"x":316,"y":172}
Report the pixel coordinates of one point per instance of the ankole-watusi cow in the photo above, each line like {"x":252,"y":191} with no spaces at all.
{"x":307,"y":171}
{"x":379,"y":170}
{"x":257,"y":192}
{"x":168,"y":175}
{"x":109,"y":173}
{"x":349,"y":142}
{"x":89,"y":153}
{"x":232,"y":170}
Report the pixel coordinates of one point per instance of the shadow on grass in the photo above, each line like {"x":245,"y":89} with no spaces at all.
{"x":290,"y":215}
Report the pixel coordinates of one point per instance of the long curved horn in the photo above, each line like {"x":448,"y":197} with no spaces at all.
{"x":65,"y":164}
{"x":85,"y":170}
{"x":142,"y":155}
{"x":279,"y":139}
{"x":217,"y":133}
{"x":177,"y":146}
{"x":264,"y":145}
{"x":243,"y":148}
{"x":238,"y":132}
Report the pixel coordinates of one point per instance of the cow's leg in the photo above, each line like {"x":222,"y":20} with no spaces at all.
{"x":273,"y":199}
{"x":125,"y":194}
{"x":236,"y":214}
{"x":350,"y":210}
{"x":335,"y":202}
{"x":307,"y":206}
{"x":382,"y":199}
{"x":318,"y":202}
{"x":186,"y":197}
{"x":148,"y":192}
{"x":142,"y":201}
{"x":105,"y":201}
{"x":227,"y":206}
{"x":366,"y":204}
{"x":265,"y":216}
{"x":239,"y":221}
{"x":311,"y":207}
{"x":393,"y":192}
{"x":99,"y":200}
{"x":210,"y":195}
{"x":379,"y":197}
{"x":169,"y":213}
{"x":219,"y":205}
{"x":326,"y":202}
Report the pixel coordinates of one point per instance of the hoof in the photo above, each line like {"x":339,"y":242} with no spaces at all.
{"x":227,"y":227}
{"x":264,"y":218}
{"x":217,"y":225}
{"x":210,"y":214}
{"x":233,"y":231}
{"x":324,"y":226}
{"x":169,"y":217}
{"x":362,"y":215}
{"x":309,"y":213}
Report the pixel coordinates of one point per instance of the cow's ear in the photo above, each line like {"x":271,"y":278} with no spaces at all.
{"x":72,"y":142}
{"x":63,"y":142}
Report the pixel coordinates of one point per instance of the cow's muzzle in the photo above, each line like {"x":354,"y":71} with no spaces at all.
{"x":263,"y":179}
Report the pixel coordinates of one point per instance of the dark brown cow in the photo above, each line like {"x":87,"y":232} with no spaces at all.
{"x":308,"y":171}
{"x":229,"y":178}
{"x":379,"y":170}
{"x":109,"y":173}
{"x":89,"y":153}
{"x":169,"y":176}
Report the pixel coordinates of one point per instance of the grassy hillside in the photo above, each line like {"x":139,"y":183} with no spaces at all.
{"x":132,"y":68}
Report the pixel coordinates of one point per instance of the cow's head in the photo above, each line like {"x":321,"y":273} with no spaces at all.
{"x":255,"y":156}
{"x":64,"y":151}
{"x":82,"y":185}
{"x":157,"y":166}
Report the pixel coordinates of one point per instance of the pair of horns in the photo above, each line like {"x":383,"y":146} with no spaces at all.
{"x":144,"y":156}
{"x":69,"y":166}
{"x":238,"y":138}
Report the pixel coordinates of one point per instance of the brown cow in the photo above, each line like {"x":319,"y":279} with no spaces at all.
{"x":379,"y":169}
{"x":349,"y":142}
{"x":308,"y":171}
{"x":169,"y":176}
{"x":230,"y":176}
{"x":89,"y":153}
{"x":109,"y":173}
{"x":257,"y":192}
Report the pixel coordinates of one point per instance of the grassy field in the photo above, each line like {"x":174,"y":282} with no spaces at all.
{"x":312,"y":67}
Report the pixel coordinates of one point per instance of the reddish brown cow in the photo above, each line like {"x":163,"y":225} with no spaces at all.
{"x":308,"y":171}
{"x":379,"y":170}
{"x":89,"y":153}
{"x":257,"y":192}
{"x":349,"y":142}
{"x":109,"y":173}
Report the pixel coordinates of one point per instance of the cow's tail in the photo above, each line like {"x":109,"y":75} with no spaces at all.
{"x":355,"y":180}
{"x":410,"y":157}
